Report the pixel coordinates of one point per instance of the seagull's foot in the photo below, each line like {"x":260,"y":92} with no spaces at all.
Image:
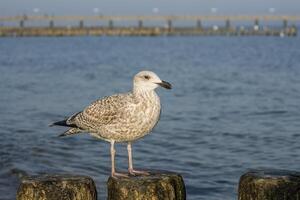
{"x":119,"y":175}
{"x":137,"y":172}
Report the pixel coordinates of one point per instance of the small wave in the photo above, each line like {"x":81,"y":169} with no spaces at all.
{"x":18,"y":172}
{"x":272,"y":112}
{"x":23,"y":131}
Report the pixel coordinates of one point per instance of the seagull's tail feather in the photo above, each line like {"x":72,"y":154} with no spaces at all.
{"x":71,"y":131}
{"x":69,"y":122}
{"x":63,"y":123}
{"x":60,"y":123}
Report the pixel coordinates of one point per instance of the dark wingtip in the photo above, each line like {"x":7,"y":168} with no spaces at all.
{"x":59,"y":123}
{"x":61,"y":135}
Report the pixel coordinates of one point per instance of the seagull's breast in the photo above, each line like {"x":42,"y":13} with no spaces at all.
{"x":122,"y":118}
{"x":149,"y":111}
{"x":136,"y":119}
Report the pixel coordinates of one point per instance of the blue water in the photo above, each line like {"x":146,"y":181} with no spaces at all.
{"x":235,"y":105}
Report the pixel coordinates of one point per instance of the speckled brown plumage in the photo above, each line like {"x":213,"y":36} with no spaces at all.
{"x":121,"y":117}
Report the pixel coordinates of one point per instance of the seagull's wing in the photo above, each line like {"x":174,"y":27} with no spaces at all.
{"x":103,"y":111}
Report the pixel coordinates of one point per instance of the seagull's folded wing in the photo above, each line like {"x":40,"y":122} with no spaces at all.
{"x":103,"y":111}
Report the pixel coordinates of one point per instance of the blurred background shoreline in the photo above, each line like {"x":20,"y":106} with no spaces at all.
{"x":151,"y":25}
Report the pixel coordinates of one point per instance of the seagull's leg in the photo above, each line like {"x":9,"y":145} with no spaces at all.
{"x":130,"y":164}
{"x":112,"y":154}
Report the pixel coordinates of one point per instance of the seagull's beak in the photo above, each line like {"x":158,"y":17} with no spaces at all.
{"x":165,"y":84}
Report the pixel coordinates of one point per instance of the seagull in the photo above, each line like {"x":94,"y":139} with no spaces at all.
{"x":124,"y":117}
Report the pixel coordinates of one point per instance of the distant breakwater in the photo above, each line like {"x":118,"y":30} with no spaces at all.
{"x":144,"y":31}
{"x":18,"y":26}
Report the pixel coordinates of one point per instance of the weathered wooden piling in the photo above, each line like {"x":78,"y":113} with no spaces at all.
{"x":53,"y":187}
{"x":140,"y":24}
{"x":21,"y":24}
{"x":256,"y":25}
{"x":81,"y":24}
{"x":156,"y":186}
{"x":199,"y":24}
{"x":256,"y":22}
{"x":269,"y":184}
{"x":110,"y":24}
{"x":169,"y":24}
{"x":227,"y":24}
{"x":285,"y":23}
{"x":51,"y":24}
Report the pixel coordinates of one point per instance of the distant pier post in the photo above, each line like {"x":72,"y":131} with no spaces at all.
{"x":51,"y":187}
{"x":111,"y":24}
{"x":81,"y":24}
{"x":199,"y":24}
{"x":285,"y":23}
{"x":169,"y":24}
{"x":158,"y":185}
{"x":227,"y":24}
{"x":51,"y":24}
{"x":256,"y":25}
{"x":140,"y":23}
{"x":21,"y":23}
{"x":293,"y":30}
{"x":269,"y":184}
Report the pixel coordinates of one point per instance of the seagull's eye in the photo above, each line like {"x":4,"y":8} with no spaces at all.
{"x":147,"y":77}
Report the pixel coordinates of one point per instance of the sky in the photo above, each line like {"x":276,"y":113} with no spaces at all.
{"x":148,"y":7}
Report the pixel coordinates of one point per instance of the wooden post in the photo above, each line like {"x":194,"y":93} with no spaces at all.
{"x":256,"y":25}
{"x":285,"y":23}
{"x":169,"y":22}
{"x":52,"y":187}
{"x":256,"y":22}
{"x":110,"y":24}
{"x":22,"y":23}
{"x":199,"y":24}
{"x":158,"y":185}
{"x":293,"y":30}
{"x":269,"y":184}
{"x":81,"y":24}
{"x":51,"y":24}
{"x":227,"y":24}
{"x":140,"y":24}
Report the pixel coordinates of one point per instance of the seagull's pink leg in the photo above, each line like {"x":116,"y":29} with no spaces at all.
{"x":112,"y":154}
{"x":130,"y":164}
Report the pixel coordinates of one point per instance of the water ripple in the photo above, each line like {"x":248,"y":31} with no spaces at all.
{"x":229,"y":110}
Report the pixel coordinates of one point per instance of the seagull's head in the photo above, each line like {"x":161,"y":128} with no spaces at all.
{"x":147,"y":80}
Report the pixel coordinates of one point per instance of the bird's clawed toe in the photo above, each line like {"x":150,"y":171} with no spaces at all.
{"x":119,"y":175}
{"x":137,"y":172}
